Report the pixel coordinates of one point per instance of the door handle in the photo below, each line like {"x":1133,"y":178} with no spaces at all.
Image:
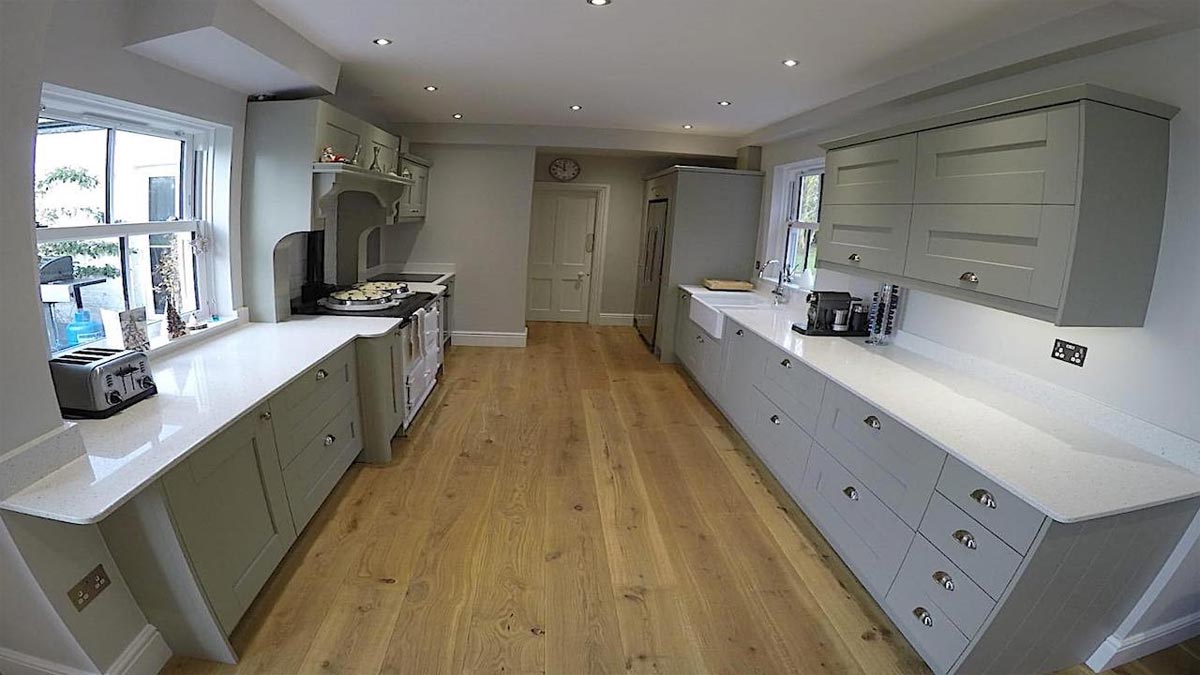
{"x":590,"y":242}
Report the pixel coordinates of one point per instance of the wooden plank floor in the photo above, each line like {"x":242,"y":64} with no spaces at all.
{"x":570,"y":507}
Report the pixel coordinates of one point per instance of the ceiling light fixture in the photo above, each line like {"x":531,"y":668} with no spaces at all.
{"x":431,"y":87}
{"x":791,"y":63}
{"x":457,"y":116}
{"x":687,"y":126}
{"x":576,"y":108}
{"x":382,"y":42}
{"x":598,"y":3}
{"x":724,"y":104}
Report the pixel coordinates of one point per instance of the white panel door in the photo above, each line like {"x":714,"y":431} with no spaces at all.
{"x":561,"y":240}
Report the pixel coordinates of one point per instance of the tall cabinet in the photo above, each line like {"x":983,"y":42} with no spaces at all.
{"x":697,"y":223}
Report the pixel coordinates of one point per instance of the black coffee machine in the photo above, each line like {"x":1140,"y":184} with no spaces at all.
{"x":834,"y":313}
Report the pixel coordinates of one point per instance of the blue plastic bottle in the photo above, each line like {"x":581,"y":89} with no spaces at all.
{"x":82,"y":329}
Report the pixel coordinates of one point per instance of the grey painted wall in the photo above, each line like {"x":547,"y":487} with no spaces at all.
{"x":479,"y":206}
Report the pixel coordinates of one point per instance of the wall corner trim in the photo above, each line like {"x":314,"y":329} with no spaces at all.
{"x":1115,"y":651}
{"x":483,"y":338}
{"x":145,"y":655}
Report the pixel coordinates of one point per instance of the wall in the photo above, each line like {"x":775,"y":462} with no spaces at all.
{"x":1152,"y":372}
{"x":479,"y":206}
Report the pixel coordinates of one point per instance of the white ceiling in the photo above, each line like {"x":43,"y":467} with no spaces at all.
{"x":642,"y":64}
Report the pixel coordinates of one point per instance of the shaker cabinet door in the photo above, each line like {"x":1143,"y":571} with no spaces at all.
{"x":229,"y":506}
{"x":872,"y":237}
{"x":879,"y":172}
{"x":1030,"y":158}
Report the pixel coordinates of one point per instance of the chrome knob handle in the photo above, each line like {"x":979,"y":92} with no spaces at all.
{"x":850,"y":493}
{"x":984,"y":497}
{"x":969,"y":277}
{"x":775,"y":420}
{"x":329,"y":439}
{"x":739,"y":332}
{"x":854,"y":257}
{"x":266,"y":416}
{"x":924,"y":616}
{"x":699,"y":339}
{"x":873,"y":422}
{"x":322,"y":374}
{"x":786,"y":363}
{"x":944,"y":580}
{"x":966,"y":539}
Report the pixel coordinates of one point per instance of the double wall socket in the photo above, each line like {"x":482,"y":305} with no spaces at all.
{"x":1071,"y":353}
{"x":89,"y":587}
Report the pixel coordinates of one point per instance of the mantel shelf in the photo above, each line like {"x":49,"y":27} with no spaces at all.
{"x":352,"y":170}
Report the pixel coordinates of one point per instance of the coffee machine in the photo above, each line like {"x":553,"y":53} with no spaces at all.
{"x":834,"y":313}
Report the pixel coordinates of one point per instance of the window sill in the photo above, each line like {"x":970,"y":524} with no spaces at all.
{"x":161,"y":345}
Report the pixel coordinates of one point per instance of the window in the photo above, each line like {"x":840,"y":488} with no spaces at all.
{"x":802,"y":217}
{"x":119,"y":190}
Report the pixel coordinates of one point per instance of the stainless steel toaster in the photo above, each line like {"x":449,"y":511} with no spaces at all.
{"x":98,"y":381}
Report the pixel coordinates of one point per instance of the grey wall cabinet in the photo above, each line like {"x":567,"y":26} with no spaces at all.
{"x":414,"y":197}
{"x":975,"y":578}
{"x":231,"y":513}
{"x":1048,"y":205}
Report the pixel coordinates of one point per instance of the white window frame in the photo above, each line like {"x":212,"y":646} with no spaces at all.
{"x":784,"y":216}
{"x":196,"y":178}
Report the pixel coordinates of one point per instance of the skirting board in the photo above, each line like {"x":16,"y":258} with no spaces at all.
{"x":145,"y":655}
{"x":1116,"y":651}
{"x":615,"y":320}
{"x":480,"y":338}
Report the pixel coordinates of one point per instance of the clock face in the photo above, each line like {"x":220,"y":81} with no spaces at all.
{"x":564,"y":169}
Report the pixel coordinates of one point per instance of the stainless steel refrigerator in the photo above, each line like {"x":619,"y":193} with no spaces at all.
{"x":645,"y":316}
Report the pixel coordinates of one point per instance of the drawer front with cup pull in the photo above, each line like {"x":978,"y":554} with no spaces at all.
{"x":926,"y":625}
{"x":1016,"y":522}
{"x":308,"y":402}
{"x":782,"y":445}
{"x":898,"y":465}
{"x":311,"y":476}
{"x":791,"y":385}
{"x":947,"y":586}
{"x":985,"y":557}
{"x":867,"y":535}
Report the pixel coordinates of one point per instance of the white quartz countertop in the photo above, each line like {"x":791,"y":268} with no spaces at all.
{"x":201,"y":390}
{"x":1065,"y":468}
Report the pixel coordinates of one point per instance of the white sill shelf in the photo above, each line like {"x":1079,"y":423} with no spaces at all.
{"x":161,"y":345}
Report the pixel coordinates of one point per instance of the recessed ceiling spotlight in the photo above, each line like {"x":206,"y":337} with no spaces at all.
{"x":791,"y":63}
{"x":457,"y":116}
{"x":598,"y":3}
{"x":382,"y":42}
{"x":431,"y":87}
{"x":576,"y":107}
{"x":724,"y":104}
{"x":687,"y":126}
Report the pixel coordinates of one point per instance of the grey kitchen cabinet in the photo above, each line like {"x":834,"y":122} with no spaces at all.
{"x":383,"y":393}
{"x":975,"y":578}
{"x":879,"y":172}
{"x":869,"y":237}
{"x":414,"y":197}
{"x":230,"y":509}
{"x":1048,"y":205}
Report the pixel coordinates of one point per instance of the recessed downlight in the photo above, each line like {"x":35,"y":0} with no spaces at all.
{"x":382,"y":42}
{"x":791,"y":63}
{"x":576,"y":108}
{"x":724,"y":104}
{"x":598,"y":3}
{"x":687,"y":126}
{"x":431,"y":87}
{"x":457,"y":116}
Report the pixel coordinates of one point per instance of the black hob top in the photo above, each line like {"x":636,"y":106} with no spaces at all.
{"x":404,"y":310}
{"x":409,"y":276}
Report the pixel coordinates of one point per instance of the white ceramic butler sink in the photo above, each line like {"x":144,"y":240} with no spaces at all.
{"x":705,"y":308}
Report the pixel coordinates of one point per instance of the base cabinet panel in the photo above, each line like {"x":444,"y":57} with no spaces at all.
{"x":925,"y":625}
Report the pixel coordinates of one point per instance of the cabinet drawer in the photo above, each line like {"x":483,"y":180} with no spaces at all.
{"x":932,"y":633}
{"x":946,"y":586}
{"x":892,"y":460}
{"x":867,"y":535}
{"x":311,"y":400}
{"x":880,"y":172}
{"x":321,"y":463}
{"x":783,"y":446}
{"x":792,"y":386}
{"x":866,"y":237}
{"x":997,"y":509}
{"x":1013,"y":251}
{"x":1028,"y":158}
{"x":985,"y":557}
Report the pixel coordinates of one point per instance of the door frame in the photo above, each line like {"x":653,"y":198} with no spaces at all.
{"x":601,"y":190}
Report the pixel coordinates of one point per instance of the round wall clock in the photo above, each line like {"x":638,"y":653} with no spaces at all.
{"x":564,"y":169}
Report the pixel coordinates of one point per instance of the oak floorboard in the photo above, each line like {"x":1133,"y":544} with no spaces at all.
{"x":571,"y":507}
